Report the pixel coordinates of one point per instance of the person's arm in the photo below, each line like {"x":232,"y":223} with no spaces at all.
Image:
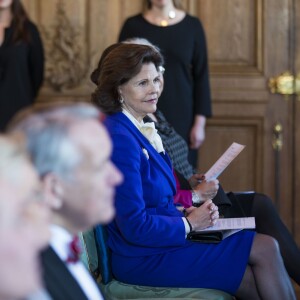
{"x":183,"y":197}
{"x":202,"y":98}
{"x":137,"y":223}
{"x":198,"y":218}
{"x":200,"y":192}
{"x":197,"y":133}
{"x":36,"y":59}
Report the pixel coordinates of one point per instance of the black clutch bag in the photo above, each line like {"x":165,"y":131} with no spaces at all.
{"x":206,"y":237}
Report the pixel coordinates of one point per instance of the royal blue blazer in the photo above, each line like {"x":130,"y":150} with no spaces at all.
{"x":147,"y":236}
{"x":146,"y":222}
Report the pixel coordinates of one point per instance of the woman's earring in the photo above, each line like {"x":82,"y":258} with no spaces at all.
{"x":121,"y":99}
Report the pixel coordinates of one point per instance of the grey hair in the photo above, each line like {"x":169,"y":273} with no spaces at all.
{"x":140,"y":41}
{"x":48,"y":141}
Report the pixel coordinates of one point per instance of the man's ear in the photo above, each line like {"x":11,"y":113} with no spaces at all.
{"x":53,"y":191}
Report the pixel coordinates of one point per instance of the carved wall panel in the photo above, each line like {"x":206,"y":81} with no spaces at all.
{"x":239,"y":46}
{"x":75,"y":32}
{"x":96,"y":24}
{"x":65,"y":31}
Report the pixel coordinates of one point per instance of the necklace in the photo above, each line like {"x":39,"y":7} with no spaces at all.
{"x":171,"y":16}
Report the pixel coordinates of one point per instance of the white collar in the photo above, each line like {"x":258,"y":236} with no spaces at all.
{"x":133,"y":119}
{"x":60,"y":243}
{"x":60,"y":240}
{"x":148,"y":130}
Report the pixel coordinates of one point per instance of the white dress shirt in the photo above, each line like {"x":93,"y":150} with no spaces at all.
{"x":41,"y":294}
{"x":60,"y":240}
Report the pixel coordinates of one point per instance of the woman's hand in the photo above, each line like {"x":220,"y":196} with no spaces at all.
{"x":196,"y":179}
{"x":204,"y":216}
{"x":207,"y":189}
{"x":197,"y":133}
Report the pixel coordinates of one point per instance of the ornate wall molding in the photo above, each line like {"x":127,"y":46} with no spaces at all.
{"x":66,"y":64}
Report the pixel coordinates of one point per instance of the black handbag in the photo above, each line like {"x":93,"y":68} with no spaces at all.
{"x":206,"y":237}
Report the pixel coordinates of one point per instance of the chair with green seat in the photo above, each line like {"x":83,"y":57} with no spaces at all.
{"x":97,"y":258}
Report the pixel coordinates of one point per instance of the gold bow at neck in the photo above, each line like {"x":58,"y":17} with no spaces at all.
{"x":150,"y":132}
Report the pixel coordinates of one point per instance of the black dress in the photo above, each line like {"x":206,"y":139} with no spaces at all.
{"x":186,"y":90}
{"x":21,"y":72}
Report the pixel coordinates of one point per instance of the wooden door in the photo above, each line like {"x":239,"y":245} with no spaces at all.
{"x":250,"y":41}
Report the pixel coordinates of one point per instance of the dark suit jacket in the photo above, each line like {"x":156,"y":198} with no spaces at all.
{"x":58,"y":280}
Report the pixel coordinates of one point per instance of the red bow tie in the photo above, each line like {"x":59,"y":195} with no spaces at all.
{"x":74,"y":250}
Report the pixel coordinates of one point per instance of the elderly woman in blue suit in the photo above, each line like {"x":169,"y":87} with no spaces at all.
{"x":148,"y":235}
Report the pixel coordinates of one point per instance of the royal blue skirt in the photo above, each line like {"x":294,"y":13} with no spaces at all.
{"x":195,"y":265}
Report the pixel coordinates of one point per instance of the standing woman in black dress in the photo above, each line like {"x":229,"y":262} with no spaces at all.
{"x":21,"y":60}
{"x":185,"y":101}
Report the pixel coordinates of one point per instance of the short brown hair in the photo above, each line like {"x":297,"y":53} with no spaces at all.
{"x":117,"y":67}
